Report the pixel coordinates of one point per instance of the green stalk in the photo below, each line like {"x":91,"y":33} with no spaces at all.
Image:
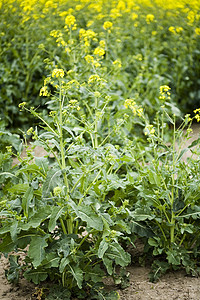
{"x":89,"y":187}
{"x":172,"y":194}
{"x":63,"y":226}
{"x":95,"y":125}
{"x":63,"y":163}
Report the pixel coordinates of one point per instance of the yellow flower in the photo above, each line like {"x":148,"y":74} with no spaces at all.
{"x":149,"y":129}
{"x":94,"y":78}
{"x":197,"y":31}
{"x":70,"y":20}
{"x":149,"y":18}
{"x":58,"y":73}
{"x":89,"y":23}
{"x":172,"y":29}
{"x":107,"y":25}
{"x":134,"y":16}
{"x":89,"y":58}
{"x":164,"y":88}
{"x":117,"y":63}
{"x":102,"y":43}
{"x":44,"y":91}
{"x":99,"y":51}
{"x":137,"y":111}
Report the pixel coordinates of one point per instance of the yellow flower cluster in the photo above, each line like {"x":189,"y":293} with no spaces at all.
{"x":197,"y":114}
{"x":44,"y":91}
{"x":70,"y":21}
{"x":73,"y":103}
{"x":150,"y":18}
{"x":175,"y":30}
{"x":137,"y":110}
{"x":59,"y":73}
{"x":99,"y":51}
{"x":149,"y":130}
{"x":87,"y":36}
{"x":90,"y":60}
{"x":94,"y":78}
{"x":117,"y":63}
{"x":164,"y":92}
{"x":107,"y":25}
{"x":197,"y":31}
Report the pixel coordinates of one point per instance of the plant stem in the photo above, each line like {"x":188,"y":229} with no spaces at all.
{"x":172,"y":191}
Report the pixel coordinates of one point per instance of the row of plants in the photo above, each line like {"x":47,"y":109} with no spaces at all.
{"x":76,"y":212}
{"x":107,"y":116}
{"x":147,"y":43}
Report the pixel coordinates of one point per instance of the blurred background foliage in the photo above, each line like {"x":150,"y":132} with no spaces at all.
{"x":149,"y":43}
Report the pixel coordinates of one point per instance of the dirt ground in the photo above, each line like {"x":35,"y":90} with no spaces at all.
{"x":173,"y":285}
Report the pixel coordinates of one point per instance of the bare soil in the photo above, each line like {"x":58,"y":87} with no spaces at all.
{"x":173,"y":285}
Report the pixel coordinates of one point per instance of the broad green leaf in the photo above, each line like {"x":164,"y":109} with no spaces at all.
{"x":108,"y":264}
{"x":77,"y":273}
{"x":32,"y":168}
{"x":95,"y":273}
{"x":154,"y":242}
{"x":56,"y":213}
{"x":64,"y":262}
{"x":4,"y":229}
{"x":7,"y":245}
{"x":52,"y":260}
{"x":173,"y":258}
{"x":36,"y":249}
{"x":42,"y":163}
{"x":88,"y":215}
{"x":19,"y":188}
{"x":102,"y":248}
{"x":141,"y":214}
{"x":154,"y":177}
{"x":36,"y":276}
{"x":28,"y":195}
{"x":14,"y":230}
{"x":7,"y":175}
{"x":117,"y":253}
{"x":53,"y":179}
{"x":40,"y":216}
{"x":12,"y":274}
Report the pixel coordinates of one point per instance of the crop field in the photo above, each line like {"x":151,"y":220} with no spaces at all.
{"x":98,"y":102}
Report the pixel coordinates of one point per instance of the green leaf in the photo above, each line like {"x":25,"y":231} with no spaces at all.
{"x":36,"y":249}
{"x":42,"y":163}
{"x":64,"y":262}
{"x":142,"y":214}
{"x":117,"y":253}
{"x":28,"y":195}
{"x":102,"y":248}
{"x":52,"y":260}
{"x":173,"y":258}
{"x":77,"y":273}
{"x":42,"y":214}
{"x":56,"y":213}
{"x":53,"y":179}
{"x":14,"y":230}
{"x":36,"y":276}
{"x":94,"y":273}
{"x":7,"y":245}
{"x":154,"y":242}
{"x":88,"y":215}
{"x":12,"y":274}
{"x":108,"y":264}
{"x":154,"y":178}
{"x":19,"y":188}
